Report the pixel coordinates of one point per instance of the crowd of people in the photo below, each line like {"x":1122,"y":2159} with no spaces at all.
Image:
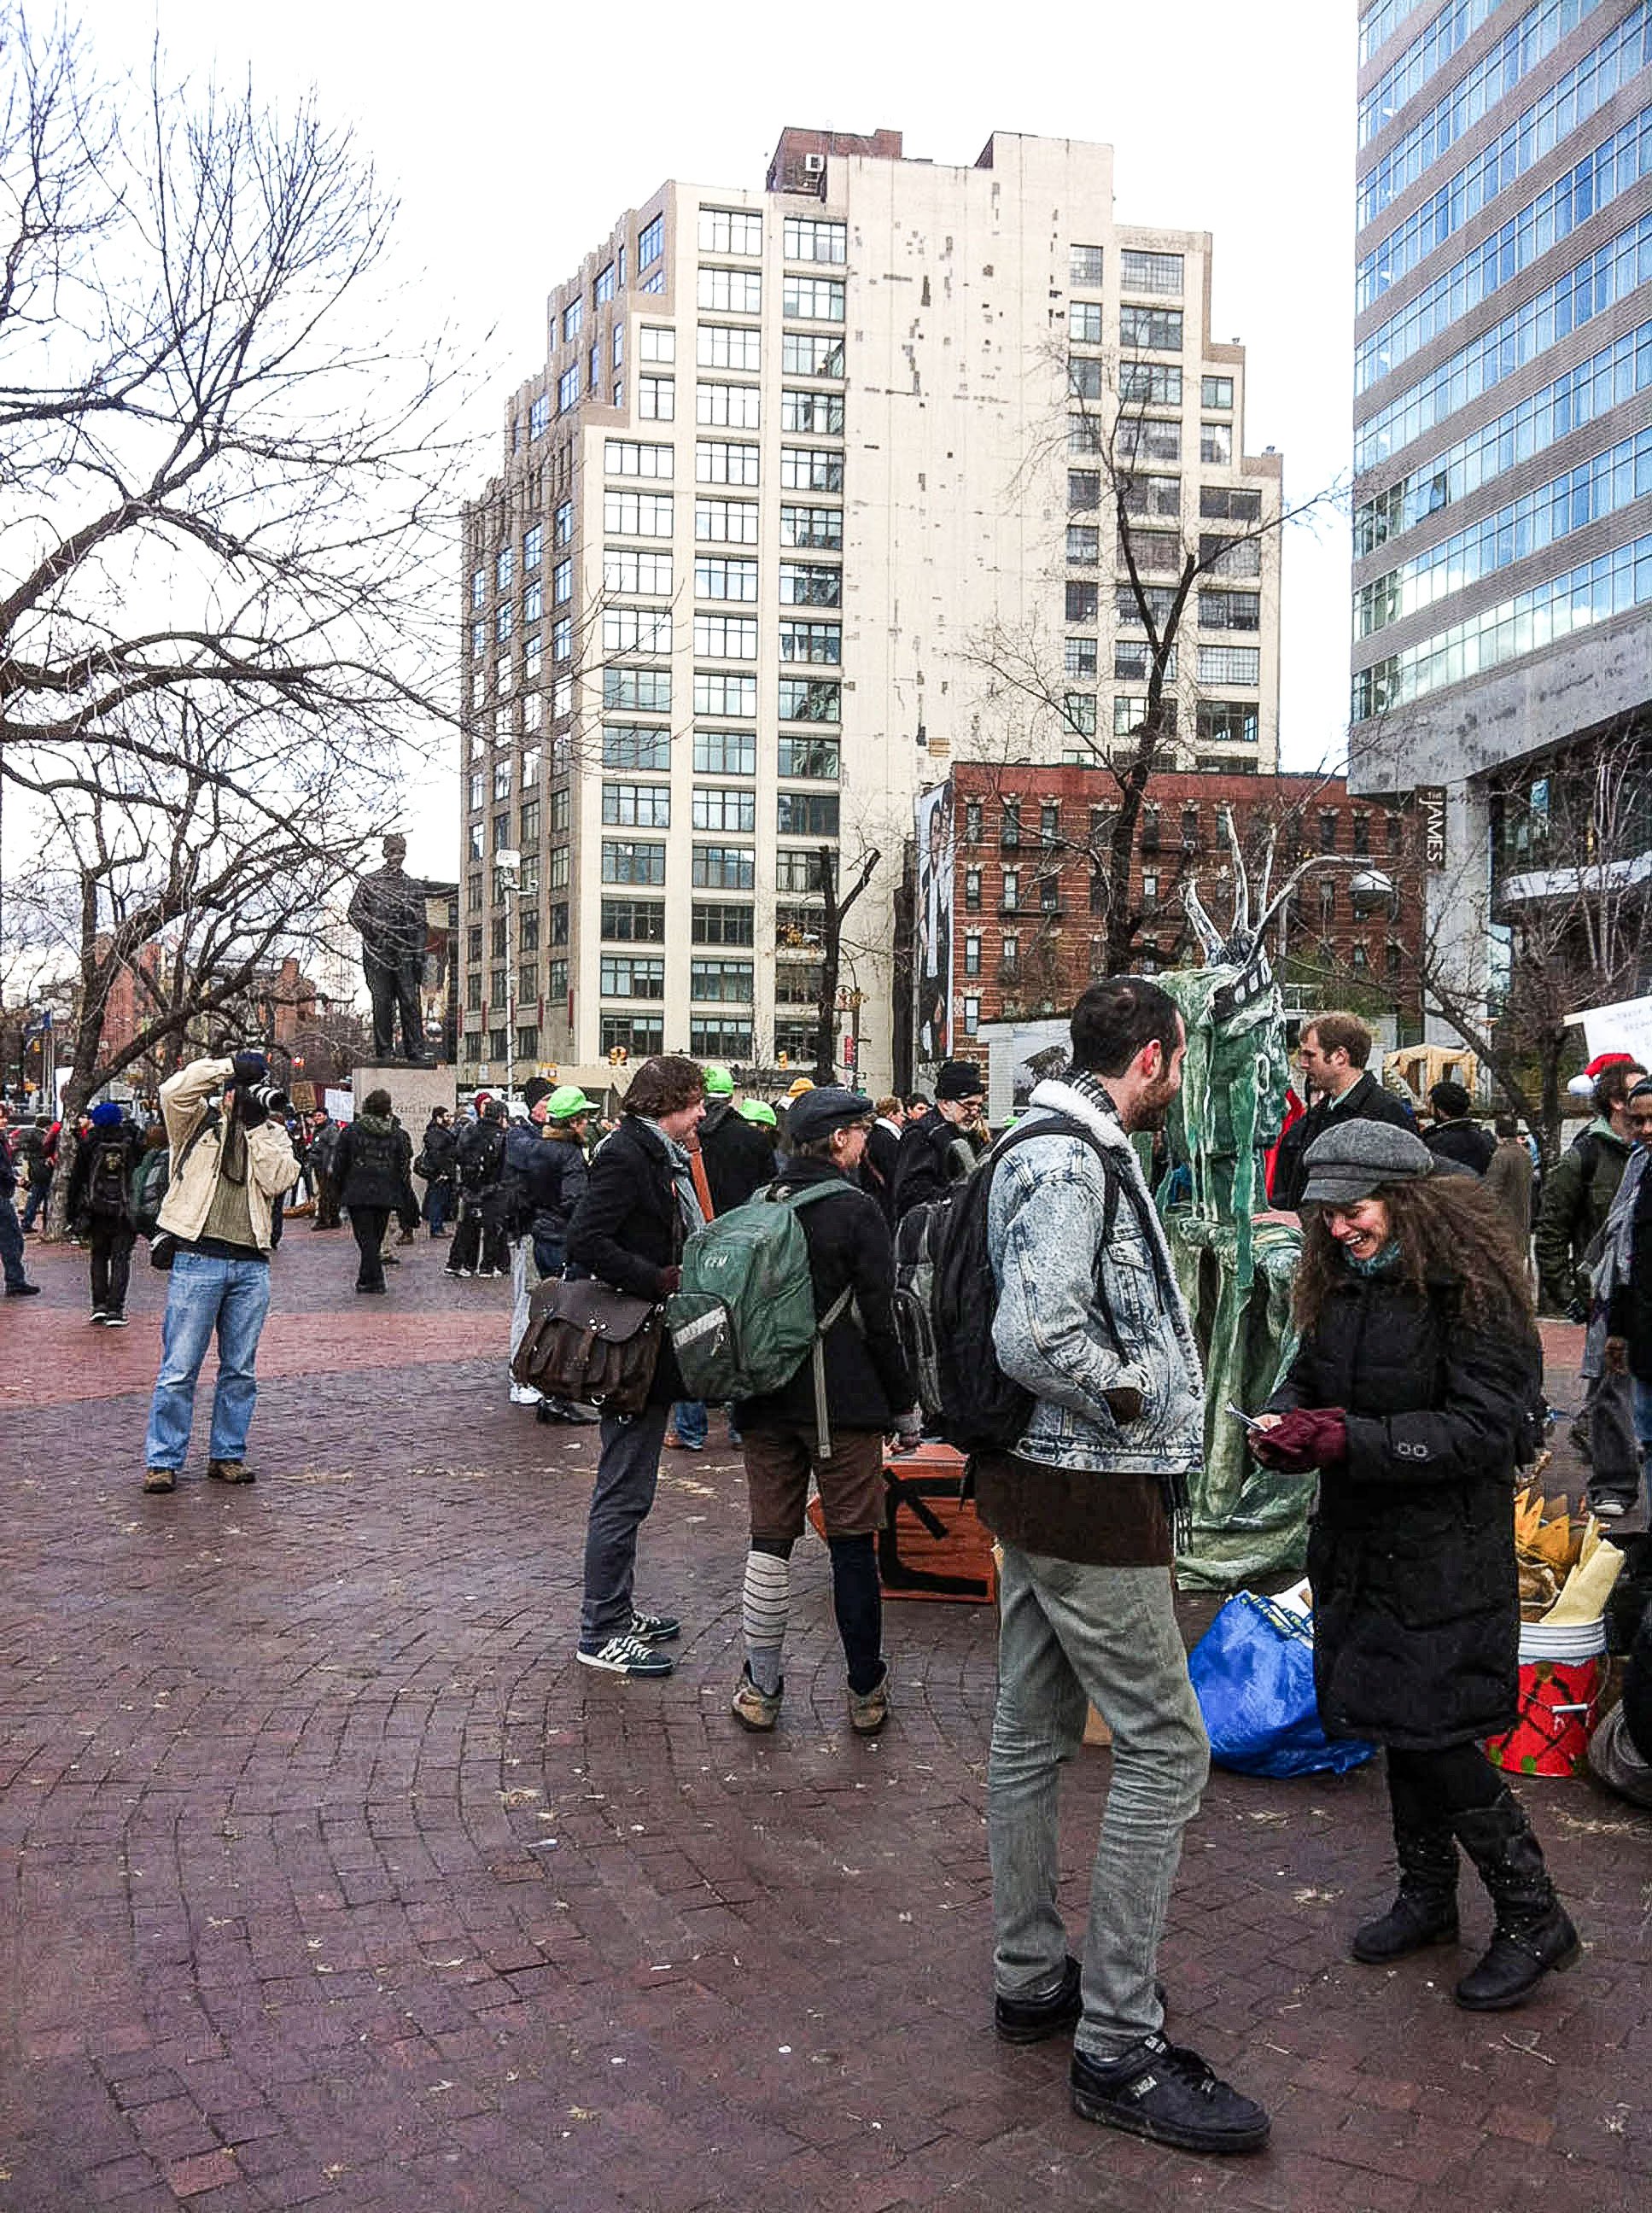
{"x":1413,"y":1397}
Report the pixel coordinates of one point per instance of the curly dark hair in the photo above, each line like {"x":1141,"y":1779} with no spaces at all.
{"x":1449,"y":1228}
{"x":662,"y":1085}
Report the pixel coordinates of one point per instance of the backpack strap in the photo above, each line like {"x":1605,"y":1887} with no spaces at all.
{"x":833,"y":1314}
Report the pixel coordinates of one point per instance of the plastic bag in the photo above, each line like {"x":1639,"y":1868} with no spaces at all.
{"x":1252,"y":1672}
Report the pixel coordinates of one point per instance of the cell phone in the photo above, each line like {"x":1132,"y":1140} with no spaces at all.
{"x":1239,"y":1415}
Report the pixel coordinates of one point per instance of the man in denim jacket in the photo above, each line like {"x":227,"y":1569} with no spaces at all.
{"x":1089,"y":1320}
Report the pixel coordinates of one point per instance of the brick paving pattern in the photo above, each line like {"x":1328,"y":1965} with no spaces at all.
{"x":332,"y":1881}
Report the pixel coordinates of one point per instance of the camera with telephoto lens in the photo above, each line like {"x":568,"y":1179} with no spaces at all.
{"x":270,"y":1096}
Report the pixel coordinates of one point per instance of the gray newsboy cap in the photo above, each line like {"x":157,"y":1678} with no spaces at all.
{"x":829,"y":1107}
{"x":1350,"y":1160}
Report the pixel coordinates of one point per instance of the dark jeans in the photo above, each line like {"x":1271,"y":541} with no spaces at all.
{"x":367,"y":1225}
{"x":39,"y":1190}
{"x":479,"y":1242}
{"x":394,"y":992}
{"x":111,"y":1265}
{"x":326,"y":1203}
{"x":626,"y":1475}
{"x":11,"y":1243}
{"x":438,"y":1198}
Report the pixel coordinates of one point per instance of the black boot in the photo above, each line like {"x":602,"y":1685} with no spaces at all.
{"x":1533,"y":1931}
{"x":1425,"y":1911}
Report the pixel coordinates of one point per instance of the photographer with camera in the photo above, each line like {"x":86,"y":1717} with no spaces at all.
{"x":231,"y":1156}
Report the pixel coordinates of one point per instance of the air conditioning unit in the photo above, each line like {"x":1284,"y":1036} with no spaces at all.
{"x":815,"y":165}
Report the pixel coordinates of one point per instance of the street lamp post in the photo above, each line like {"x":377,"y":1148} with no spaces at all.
{"x":510,"y":865}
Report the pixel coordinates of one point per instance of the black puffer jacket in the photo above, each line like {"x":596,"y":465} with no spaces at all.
{"x":546,"y":1173}
{"x":934,"y":1154}
{"x":738,"y":1159}
{"x":436,"y":1151}
{"x":628,"y":1230}
{"x":372,"y":1164}
{"x":1464,"y":1141}
{"x":866,"y":1380}
{"x":1412,"y":1552}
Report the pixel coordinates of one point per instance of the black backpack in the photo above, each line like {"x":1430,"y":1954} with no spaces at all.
{"x":105,"y":1187}
{"x":481,"y":1150}
{"x":947,"y":1297}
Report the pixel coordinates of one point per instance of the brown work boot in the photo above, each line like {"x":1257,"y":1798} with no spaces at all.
{"x":160,"y":1479}
{"x":229,"y":1471}
{"x":869,"y":1710}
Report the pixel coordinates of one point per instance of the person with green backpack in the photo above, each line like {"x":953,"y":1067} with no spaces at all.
{"x":785,"y":1307}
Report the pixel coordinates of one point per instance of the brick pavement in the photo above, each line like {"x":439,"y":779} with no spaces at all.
{"x":332,"y":1881}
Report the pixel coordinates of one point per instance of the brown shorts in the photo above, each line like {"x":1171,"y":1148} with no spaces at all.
{"x":779,"y":1465}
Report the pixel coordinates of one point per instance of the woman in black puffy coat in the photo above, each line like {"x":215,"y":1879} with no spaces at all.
{"x":1412,"y":1394}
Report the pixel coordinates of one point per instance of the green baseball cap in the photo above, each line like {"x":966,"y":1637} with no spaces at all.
{"x":753,"y":1110}
{"x":567,"y":1101}
{"x":719,"y":1084}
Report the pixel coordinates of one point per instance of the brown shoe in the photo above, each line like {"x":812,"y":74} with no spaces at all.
{"x":160,"y":1479}
{"x":671,"y":1442}
{"x":869,"y":1710}
{"x":229,"y":1471}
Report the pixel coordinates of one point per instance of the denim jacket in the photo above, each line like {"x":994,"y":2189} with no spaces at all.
{"x":1046,"y":1220}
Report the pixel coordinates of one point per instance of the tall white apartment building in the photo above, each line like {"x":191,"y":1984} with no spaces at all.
{"x":799,"y":463}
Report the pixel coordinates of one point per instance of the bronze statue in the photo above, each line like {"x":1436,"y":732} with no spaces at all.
{"x":388,"y":907}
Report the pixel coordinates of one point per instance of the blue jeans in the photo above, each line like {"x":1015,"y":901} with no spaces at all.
{"x":204,"y":1294}
{"x":692,"y":1422}
{"x":39,"y":1190}
{"x":1068,"y":1636}
{"x":437,"y":1198}
{"x":11,"y":1243}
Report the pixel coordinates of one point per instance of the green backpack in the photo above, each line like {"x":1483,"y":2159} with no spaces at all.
{"x":743,"y":1322}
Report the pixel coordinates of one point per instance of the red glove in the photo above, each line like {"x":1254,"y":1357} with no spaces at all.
{"x":1307,"y":1438}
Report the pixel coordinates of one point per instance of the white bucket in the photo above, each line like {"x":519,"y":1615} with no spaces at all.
{"x":1569,"y":1640}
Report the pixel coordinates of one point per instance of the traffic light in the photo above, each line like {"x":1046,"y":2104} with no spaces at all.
{"x":618,"y":1056}
{"x":782,"y":1060}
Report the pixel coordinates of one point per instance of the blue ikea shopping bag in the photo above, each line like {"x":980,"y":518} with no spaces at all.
{"x":1253,"y":1672}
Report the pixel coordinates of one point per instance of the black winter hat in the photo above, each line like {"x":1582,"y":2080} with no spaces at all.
{"x":959,"y":1079}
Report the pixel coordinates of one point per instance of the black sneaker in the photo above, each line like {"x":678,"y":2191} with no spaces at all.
{"x":22,"y":1290}
{"x":1167,"y":2094}
{"x":1029,"y":2020}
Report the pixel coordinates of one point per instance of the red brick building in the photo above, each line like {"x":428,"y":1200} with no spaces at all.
{"x":1029,"y":895}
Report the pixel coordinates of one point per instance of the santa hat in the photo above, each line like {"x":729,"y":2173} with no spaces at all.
{"x":1582,"y":1087}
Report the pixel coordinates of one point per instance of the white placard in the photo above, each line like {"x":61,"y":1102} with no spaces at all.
{"x":1626,"y":1027}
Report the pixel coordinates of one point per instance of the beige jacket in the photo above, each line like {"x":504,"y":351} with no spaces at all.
{"x":185,"y":1100}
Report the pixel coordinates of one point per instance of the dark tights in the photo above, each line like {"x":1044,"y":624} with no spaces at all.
{"x":857,"y":1600}
{"x":1428,"y":1787}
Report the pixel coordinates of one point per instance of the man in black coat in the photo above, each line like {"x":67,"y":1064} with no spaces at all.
{"x":1333,"y":1051}
{"x":480,"y":1245}
{"x":1454,"y":1136}
{"x":545,"y":1177}
{"x":628,"y":1230}
{"x":101,"y":1209}
{"x":434,"y":1166}
{"x":943,"y":1144}
{"x":868,"y":1391}
{"x":882,"y":1149}
{"x":321,"y":1145}
{"x":738,"y":1161}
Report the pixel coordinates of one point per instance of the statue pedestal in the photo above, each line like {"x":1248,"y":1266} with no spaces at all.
{"x":413,"y":1091}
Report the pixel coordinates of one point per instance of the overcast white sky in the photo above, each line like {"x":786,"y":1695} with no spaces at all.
{"x":514,"y":132}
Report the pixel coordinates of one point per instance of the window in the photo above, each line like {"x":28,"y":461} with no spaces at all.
{"x":724,"y":868}
{"x":1082,"y":599}
{"x":473,"y":791}
{"x":724,"y":695}
{"x":629,"y":975}
{"x":559,"y":924}
{"x":1234,"y":557}
{"x":1327,"y":830}
{"x":594,"y":377}
{"x":806,"y":815}
{"x":797,"y":984}
{"x":1147,"y":495}
{"x":1229,"y":664}
{"x":816,"y":757}
{"x":797,"y":924}
{"x":717,"y":577}
{"x":1150,"y":272}
{"x":728,"y":1039}
{"x":568,"y":389}
{"x":817,"y":528}
{"x":558,"y":869}
{"x":973,"y":954}
{"x":559,"y":811}
{"x":1363,"y":835}
{"x":725,"y":637}
{"x":811,"y":414}
{"x":538,"y":415}
{"x":809,"y":699}
{"x":651,"y":242}
{"x":1229,"y":504}
{"x":972,"y":890}
{"x":730,"y":291}
{"x":562,"y":639}
{"x":1157,"y":553}
{"x":809,"y":353}
{"x":716,"y":808}
{"x":628,"y":457}
{"x":1156,"y":329}
{"x":1009,"y":823}
{"x":729,"y":981}
{"x":728,"y":345}
{"x":573,"y":316}
{"x":637,"y":572}
{"x":797,"y":872}
{"x":725,"y":521}
{"x":729,"y":407}
{"x":603,"y":287}
{"x":1083,"y":434}
{"x":718,"y":462}
{"x":1132,"y":660}
{"x":1130,"y":712}
{"x":1230,"y":611}
{"x":504,"y":621}
{"x":637,"y":806}
{"x":478,"y":588}
{"x":1148,"y":438}
{"x":804,"y":584}
{"x":500,"y":780}
{"x":812,"y":641}
{"x":1084,"y":265}
{"x":1084,"y":321}
{"x":725,"y":753}
{"x":1083,"y":489}
{"x":626,"y":860}
{"x":730,"y":230}
{"x":1216,"y":392}
{"x":1083,"y":544}
{"x":641,"y":1036}
{"x":641,"y":691}
{"x":473,"y":842}
{"x":1216,"y":443}
{"x":634,"y":922}
{"x":657,"y":344}
{"x":712,"y":925}
{"x":1009,"y":954}
{"x":814,"y":241}
{"x":656,"y":399}
{"x":1084,"y":378}
{"x":808,"y":468}
{"x":473,"y":993}
{"x":1078,"y":711}
{"x":972,"y":821}
{"x":561,"y":700}
{"x":813,"y":299}
{"x":500,"y":832}
{"x":1049,"y":822}
{"x":1150,"y":888}
{"x":533,"y":602}
{"x":635,"y":630}
{"x":638,"y":515}
{"x":1145,"y":383}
